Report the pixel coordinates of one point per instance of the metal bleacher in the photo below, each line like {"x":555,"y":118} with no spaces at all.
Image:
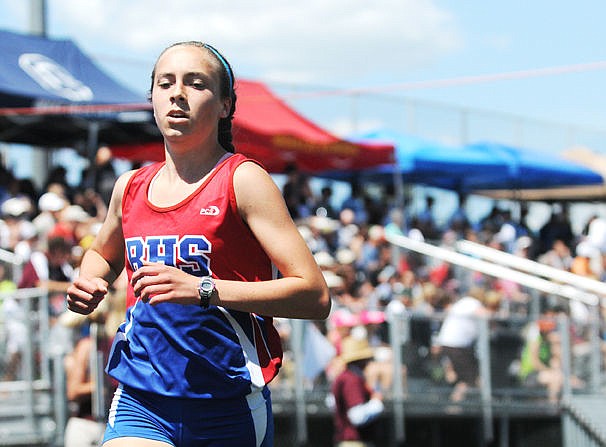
{"x":580,"y":410}
{"x":583,"y":421}
{"x":33,"y":408}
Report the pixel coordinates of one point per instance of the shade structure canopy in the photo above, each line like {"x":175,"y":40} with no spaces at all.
{"x":267,"y":129}
{"x":582,"y":156}
{"x":52,"y":95}
{"x":426,"y":162}
{"x":534,"y":170}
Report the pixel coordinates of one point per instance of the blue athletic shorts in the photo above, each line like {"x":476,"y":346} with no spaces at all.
{"x":193,"y":423}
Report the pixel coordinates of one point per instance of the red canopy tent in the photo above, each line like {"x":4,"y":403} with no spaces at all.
{"x":266,"y":129}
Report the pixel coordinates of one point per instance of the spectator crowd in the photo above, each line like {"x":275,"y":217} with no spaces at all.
{"x":369,"y":279}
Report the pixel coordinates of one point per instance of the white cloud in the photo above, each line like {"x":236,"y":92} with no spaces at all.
{"x":344,"y":127}
{"x":339,"y":42}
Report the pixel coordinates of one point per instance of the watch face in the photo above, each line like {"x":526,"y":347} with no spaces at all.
{"x":207,"y":286}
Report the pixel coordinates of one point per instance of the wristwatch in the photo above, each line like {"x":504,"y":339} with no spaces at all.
{"x":206,"y":287}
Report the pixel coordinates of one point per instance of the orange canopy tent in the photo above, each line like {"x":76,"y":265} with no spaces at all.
{"x":266,"y":129}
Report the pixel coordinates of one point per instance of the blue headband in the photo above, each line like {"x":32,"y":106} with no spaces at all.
{"x":230,"y":75}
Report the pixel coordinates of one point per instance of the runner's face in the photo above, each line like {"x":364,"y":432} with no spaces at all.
{"x":186,"y":94}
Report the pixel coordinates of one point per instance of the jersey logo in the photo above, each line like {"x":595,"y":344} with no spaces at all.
{"x":210,"y":211}
{"x":190,"y":253}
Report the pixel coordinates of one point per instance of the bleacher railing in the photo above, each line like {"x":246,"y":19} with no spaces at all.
{"x":35,"y":411}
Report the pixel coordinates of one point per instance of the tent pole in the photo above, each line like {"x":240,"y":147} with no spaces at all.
{"x":398,"y":181}
{"x":40,"y":156}
{"x":37,"y":18}
{"x":92,"y":145}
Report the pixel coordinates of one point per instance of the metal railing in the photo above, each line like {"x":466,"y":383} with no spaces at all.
{"x":539,"y":278}
{"x":583,"y":421}
{"x":35,"y":411}
{"x":29,"y":373}
{"x":500,"y":392}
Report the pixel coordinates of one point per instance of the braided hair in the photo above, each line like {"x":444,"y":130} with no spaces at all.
{"x":227,"y":90}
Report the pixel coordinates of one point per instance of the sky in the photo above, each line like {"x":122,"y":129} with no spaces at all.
{"x":526,"y":72}
{"x":391,"y":49}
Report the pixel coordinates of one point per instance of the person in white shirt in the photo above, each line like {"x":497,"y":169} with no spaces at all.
{"x":456,"y":340}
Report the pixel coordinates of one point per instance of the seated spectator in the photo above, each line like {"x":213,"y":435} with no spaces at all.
{"x":558,"y":256}
{"x":324,"y":229}
{"x":72,"y":224}
{"x":28,"y":241}
{"x":50,"y":269}
{"x":15,"y":331}
{"x":379,"y":371}
{"x":587,"y":260}
{"x":347,"y":230}
{"x":14,"y":213}
{"x":83,"y":426}
{"x":50,"y":205}
{"x":92,"y":203}
{"x":370,"y":250}
{"x":396,"y":223}
{"x":540,"y":362}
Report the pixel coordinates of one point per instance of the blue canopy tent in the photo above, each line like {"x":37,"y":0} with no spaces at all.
{"x":479,"y":166}
{"x":529,"y":169}
{"x":424,"y":162}
{"x":53,"y":95}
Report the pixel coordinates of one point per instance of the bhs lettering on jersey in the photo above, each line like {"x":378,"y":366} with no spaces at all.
{"x":189,"y":253}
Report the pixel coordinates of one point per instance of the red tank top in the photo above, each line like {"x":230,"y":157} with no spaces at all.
{"x":184,"y":350}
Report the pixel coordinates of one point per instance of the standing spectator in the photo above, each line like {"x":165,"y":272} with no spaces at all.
{"x":7,"y":179}
{"x":101,"y":175}
{"x":456,"y":341}
{"x":355,"y":203}
{"x":425,"y":221}
{"x":324,"y":205}
{"x":357,"y":407}
{"x":297,"y":193}
{"x":57,"y":181}
{"x":458,"y":221}
{"x":558,"y":227}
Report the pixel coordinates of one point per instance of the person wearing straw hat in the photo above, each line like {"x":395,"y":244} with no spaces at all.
{"x":357,"y":407}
